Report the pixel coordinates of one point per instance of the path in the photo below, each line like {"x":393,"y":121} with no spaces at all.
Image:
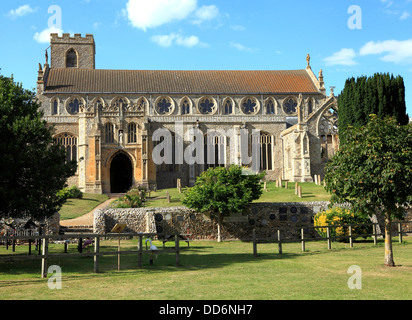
{"x":87,"y":219}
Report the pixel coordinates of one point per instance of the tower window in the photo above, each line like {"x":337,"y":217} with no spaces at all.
{"x":71,"y":59}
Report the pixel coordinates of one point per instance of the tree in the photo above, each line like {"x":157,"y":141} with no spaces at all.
{"x":221,"y":191}
{"x":32,"y":167}
{"x":381,"y":94}
{"x":373,"y":171}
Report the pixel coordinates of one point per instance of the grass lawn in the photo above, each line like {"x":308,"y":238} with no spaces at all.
{"x":310,"y":192}
{"x":74,"y":208}
{"x":219,"y":271}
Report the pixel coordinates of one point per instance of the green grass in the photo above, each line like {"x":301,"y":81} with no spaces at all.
{"x":220,"y":271}
{"x":74,"y":208}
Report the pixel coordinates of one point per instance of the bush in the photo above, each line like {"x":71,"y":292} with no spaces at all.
{"x":134,"y":198}
{"x":70,"y":193}
{"x":340,"y":216}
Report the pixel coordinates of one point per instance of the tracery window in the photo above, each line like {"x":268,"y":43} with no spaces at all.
{"x":207,"y":105}
{"x":227,"y":107}
{"x":215,"y":150}
{"x":109,"y":132}
{"x":290,"y":105}
{"x":185,"y":106}
{"x":270,"y":107}
{"x":131,"y":133}
{"x":250,"y":105}
{"x":266,"y":151}
{"x":164,"y":105}
{"x":69,"y":142}
{"x":71,"y":59}
{"x":73,"y":107}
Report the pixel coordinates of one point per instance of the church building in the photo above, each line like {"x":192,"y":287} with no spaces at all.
{"x":114,"y":122}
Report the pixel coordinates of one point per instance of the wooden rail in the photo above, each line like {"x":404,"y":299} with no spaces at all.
{"x":45,"y":255}
{"x":280,"y":240}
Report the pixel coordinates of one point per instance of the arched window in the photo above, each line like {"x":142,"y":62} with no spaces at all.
{"x":71,"y":59}
{"x":215,"y":150}
{"x":69,"y":142}
{"x":185,"y":106}
{"x":109,"y":132}
{"x":227,"y":107}
{"x":270,"y":107}
{"x":266,"y":151}
{"x":131,"y":133}
{"x":54,"y":107}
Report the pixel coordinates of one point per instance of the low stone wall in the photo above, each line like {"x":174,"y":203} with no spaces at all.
{"x":264,"y":217}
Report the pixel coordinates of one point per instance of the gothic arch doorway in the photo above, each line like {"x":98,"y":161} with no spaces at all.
{"x":121,"y":173}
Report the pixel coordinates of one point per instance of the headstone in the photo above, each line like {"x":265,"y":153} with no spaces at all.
{"x":296,"y":188}
{"x":179,"y":185}
{"x":316,"y":179}
{"x":286,"y":184}
{"x":168,"y":196}
{"x":265,"y":186}
{"x":300,"y":192}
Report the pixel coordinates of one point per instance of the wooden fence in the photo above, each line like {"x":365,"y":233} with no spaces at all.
{"x":280,"y":240}
{"x":44,"y":255}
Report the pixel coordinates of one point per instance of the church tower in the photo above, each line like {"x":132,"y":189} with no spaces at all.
{"x":72,"y":52}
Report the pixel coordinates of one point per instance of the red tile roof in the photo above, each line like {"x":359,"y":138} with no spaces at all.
{"x":179,"y":82}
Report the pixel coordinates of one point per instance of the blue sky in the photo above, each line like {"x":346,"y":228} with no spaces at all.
{"x":344,"y":38}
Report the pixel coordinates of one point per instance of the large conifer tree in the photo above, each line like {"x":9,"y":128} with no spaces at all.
{"x":381,"y":94}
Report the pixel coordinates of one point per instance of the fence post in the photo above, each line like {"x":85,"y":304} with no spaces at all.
{"x":45,"y":252}
{"x":139,"y":255}
{"x":375,"y":240}
{"x":279,"y":243}
{"x":303,"y":239}
{"x":400,"y":232}
{"x":29,"y":247}
{"x":328,"y":235}
{"x":177,"y":250}
{"x":96,"y":254}
{"x":350,"y":237}
{"x":254,"y":243}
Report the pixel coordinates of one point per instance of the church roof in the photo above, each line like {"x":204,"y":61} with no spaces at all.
{"x":179,"y":82}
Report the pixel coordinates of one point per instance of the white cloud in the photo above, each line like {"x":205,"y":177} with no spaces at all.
{"x":405,"y":15}
{"x":393,"y":50}
{"x":145,"y":14}
{"x":21,"y":11}
{"x":241,"y":47}
{"x":344,"y":57}
{"x":173,"y":38}
{"x":44,"y":36}
{"x":206,"y":13}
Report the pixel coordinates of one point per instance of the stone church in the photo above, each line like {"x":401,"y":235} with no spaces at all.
{"x":109,"y":120}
